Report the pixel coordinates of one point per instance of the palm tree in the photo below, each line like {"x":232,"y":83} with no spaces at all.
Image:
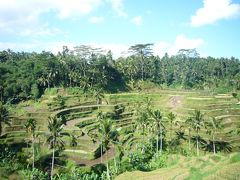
{"x":158,"y":119}
{"x":99,"y":96}
{"x":108,"y":135}
{"x":4,"y":116}
{"x":198,"y":123}
{"x":30,"y":126}
{"x":142,"y":120}
{"x":213,"y":127}
{"x":171,"y":118}
{"x":73,"y":141}
{"x":51,"y":75}
{"x":55,"y":128}
{"x":189,"y":123}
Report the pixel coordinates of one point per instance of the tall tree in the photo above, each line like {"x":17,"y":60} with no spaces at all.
{"x":108,"y":134}
{"x":30,"y":126}
{"x":198,"y":123}
{"x":189,"y":123}
{"x":143,"y":51}
{"x":213,"y":127}
{"x":159,"y":125}
{"x":55,"y":127}
{"x":171,"y":118}
{"x":4,"y":116}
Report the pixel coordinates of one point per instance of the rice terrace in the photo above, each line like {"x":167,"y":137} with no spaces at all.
{"x":119,"y":90}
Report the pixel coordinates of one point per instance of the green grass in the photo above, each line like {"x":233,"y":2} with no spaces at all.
{"x":221,"y":106}
{"x":196,"y":168}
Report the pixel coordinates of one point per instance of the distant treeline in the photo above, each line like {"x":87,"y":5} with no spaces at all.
{"x":26,"y":75}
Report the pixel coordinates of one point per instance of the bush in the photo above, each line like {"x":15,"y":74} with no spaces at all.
{"x":51,"y":91}
{"x":79,"y":173}
{"x":158,"y":161}
{"x":34,"y":174}
{"x":74,"y":91}
{"x":35,"y":91}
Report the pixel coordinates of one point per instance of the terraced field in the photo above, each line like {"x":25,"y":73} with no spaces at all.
{"x":81,"y":114}
{"x":180,"y":167}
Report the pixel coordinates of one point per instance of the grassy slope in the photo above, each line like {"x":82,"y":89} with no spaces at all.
{"x":180,"y":102}
{"x":204,"y":167}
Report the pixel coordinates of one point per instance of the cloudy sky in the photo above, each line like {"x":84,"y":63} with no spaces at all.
{"x":211,"y":26}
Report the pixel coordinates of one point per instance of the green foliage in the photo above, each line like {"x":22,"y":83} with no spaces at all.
{"x":79,"y":173}
{"x":35,"y":92}
{"x":28,"y":174}
{"x":158,"y":161}
{"x":74,"y":91}
{"x":29,"y":74}
{"x":58,"y":103}
{"x":51,"y":92}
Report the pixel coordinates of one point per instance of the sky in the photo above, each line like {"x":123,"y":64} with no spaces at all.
{"x":210,"y":26}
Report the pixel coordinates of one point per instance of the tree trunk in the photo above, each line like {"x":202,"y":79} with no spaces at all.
{"x":157,"y":142}
{"x":171,"y":133}
{"x":189,"y":139}
{"x":161,"y":140}
{"x":33,"y":151}
{"x":197,"y":144}
{"x":214,"y":148}
{"x":108,"y":176}
{"x":53,"y":155}
{"x":0,"y":128}
{"x":115,"y":164}
{"x":101,"y":152}
{"x":48,"y":82}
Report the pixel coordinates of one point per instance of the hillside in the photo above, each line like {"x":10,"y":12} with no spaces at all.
{"x":208,"y":167}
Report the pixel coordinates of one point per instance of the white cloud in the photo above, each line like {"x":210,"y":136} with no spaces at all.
{"x":74,"y":8}
{"x":96,"y":19}
{"x":38,"y":46}
{"x":55,"y":47}
{"x":137,"y":20}
{"x":159,"y":49}
{"x":182,"y":42}
{"x":214,"y":10}
{"x":117,"y":6}
{"x":118,"y":50}
{"x":23,"y":17}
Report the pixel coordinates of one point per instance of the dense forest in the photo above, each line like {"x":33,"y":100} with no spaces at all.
{"x":26,"y":75}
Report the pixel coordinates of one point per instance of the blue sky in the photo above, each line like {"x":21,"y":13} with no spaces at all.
{"x":210,"y":26}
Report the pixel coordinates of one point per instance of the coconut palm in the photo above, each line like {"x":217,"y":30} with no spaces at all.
{"x":73,"y":140}
{"x":213,"y":127}
{"x":30,"y":126}
{"x":198,"y":123}
{"x":4,"y":116}
{"x":141,"y":122}
{"x":189,"y":123}
{"x":159,"y":126}
{"x":107,"y":134}
{"x":171,"y":119}
{"x":99,"y":96}
{"x":55,"y":128}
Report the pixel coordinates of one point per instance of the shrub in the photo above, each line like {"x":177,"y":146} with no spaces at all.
{"x":34,"y":174}
{"x":158,"y":161}
{"x":35,"y":91}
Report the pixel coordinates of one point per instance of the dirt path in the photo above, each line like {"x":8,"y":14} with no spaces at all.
{"x":175,"y":102}
{"x":71,"y":124}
